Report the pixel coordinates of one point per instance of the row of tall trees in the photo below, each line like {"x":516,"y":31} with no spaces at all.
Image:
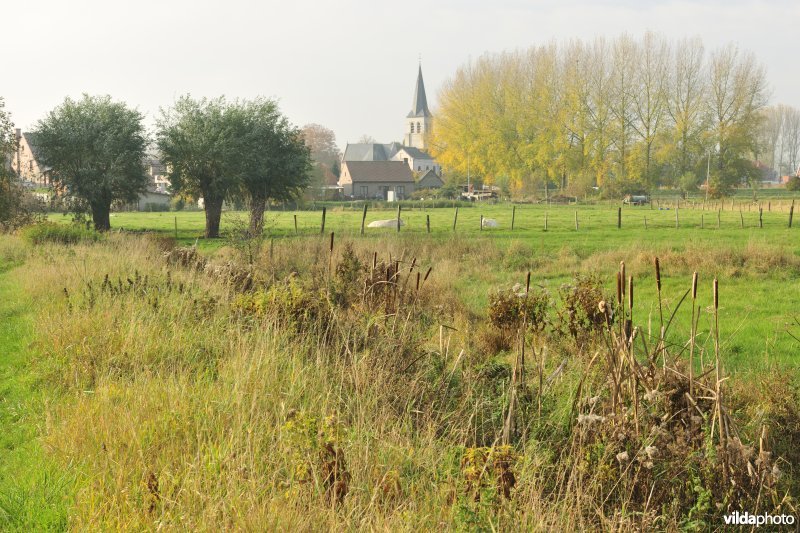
{"x":780,"y":139}
{"x":213,"y":149}
{"x":623,"y":114}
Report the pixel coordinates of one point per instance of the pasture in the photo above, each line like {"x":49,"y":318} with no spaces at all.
{"x":404,"y":380}
{"x":755,"y":256}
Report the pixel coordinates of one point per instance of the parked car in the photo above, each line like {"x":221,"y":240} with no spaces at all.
{"x":634,"y":199}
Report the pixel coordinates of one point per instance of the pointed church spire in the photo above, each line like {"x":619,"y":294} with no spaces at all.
{"x":419,"y":107}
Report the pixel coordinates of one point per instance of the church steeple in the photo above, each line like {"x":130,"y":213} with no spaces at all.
{"x":419,"y":107}
{"x":419,"y":121}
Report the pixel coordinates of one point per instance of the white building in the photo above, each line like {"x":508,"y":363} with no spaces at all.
{"x":418,"y":124}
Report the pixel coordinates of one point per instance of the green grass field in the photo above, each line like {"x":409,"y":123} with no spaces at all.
{"x":140,"y":391}
{"x":758,"y":265}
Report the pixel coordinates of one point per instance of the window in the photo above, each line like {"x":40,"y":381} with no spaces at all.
{"x":364,"y":191}
{"x":418,"y":128}
{"x":419,"y":168}
{"x":400,"y":190}
{"x":412,"y":127}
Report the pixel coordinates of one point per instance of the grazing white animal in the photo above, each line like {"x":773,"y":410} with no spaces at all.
{"x":489,"y":223}
{"x":391,"y":223}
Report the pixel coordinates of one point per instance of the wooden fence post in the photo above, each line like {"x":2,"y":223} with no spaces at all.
{"x":398,"y":218}
{"x":481,"y":222}
{"x":677,"y":221}
{"x":322,"y":226}
{"x":363,"y":218}
{"x":455,"y":219}
{"x":760,"y":217}
{"x":295,"y":224}
{"x":545,"y":220}
{"x":619,"y":217}
{"x":576,"y":221}
{"x":513,"y":216}
{"x":428,"y":222}
{"x":176,"y":228}
{"x":791,"y":213}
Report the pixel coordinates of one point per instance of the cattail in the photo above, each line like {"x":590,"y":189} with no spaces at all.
{"x":417,"y":280}
{"x":428,"y":273}
{"x":622,"y":272}
{"x":630,"y":293}
{"x":694,"y":286}
{"x":716,"y":294}
{"x":374,"y":259}
{"x":658,"y":274}
{"x":331,"y":247}
{"x":619,"y":287}
{"x":528,"y":283}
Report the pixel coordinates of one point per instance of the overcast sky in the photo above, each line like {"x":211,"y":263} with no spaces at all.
{"x":347,"y":64}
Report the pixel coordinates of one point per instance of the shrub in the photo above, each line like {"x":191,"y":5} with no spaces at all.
{"x":513,"y":308}
{"x":582,"y":313}
{"x":793,"y":184}
{"x":177,"y":203}
{"x":59,"y":234}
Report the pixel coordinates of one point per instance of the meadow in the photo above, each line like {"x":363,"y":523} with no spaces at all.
{"x":757,"y":261}
{"x":406,"y":380}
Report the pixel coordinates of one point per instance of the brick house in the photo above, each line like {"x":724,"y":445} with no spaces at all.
{"x":374,"y":179}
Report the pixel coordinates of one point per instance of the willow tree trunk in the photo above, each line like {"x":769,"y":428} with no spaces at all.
{"x":101,"y":216}
{"x":257,"y":207}
{"x":213,"y":207}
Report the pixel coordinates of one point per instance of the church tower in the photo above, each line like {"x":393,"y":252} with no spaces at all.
{"x":419,"y":121}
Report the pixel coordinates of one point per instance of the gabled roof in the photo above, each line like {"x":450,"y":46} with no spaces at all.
{"x":416,"y":153}
{"x":419,"y":107}
{"x":431,"y":176}
{"x":379,"y":171}
{"x":30,"y":139}
{"x":370,"y":151}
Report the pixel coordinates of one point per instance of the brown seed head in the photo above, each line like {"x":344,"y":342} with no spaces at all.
{"x":658,"y":274}
{"x":716,"y":294}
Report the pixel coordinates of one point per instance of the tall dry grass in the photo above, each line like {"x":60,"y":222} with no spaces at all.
{"x":341,"y":397}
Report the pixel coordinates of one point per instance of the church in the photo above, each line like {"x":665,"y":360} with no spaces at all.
{"x":374,"y":170}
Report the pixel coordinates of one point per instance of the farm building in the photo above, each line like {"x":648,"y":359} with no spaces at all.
{"x":375,"y":179}
{"x":430,"y":180}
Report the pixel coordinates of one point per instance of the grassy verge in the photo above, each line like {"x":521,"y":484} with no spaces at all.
{"x":309,"y":389}
{"x":33,"y":488}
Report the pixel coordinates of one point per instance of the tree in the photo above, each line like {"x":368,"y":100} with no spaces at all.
{"x":321,"y":142}
{"x":198,"y":142}
{"x":10,"y":191}
{"x":325,"y":154}
{"x":95,"y":148}
{"x":737,"y":94}
{"x":274,"y":161}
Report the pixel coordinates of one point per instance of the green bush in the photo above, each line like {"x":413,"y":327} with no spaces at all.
{"x":58,"y":233}
{"x":793,"y":184}
{"x":177,"y":203}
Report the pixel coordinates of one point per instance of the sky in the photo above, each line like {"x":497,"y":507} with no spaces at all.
{"x":349,"y":65}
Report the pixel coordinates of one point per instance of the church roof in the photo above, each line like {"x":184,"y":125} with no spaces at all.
{"x":379,"y":171}
{"x":419,"y":107}
{"x":370,"y":151}
{"x":416,"y":153}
